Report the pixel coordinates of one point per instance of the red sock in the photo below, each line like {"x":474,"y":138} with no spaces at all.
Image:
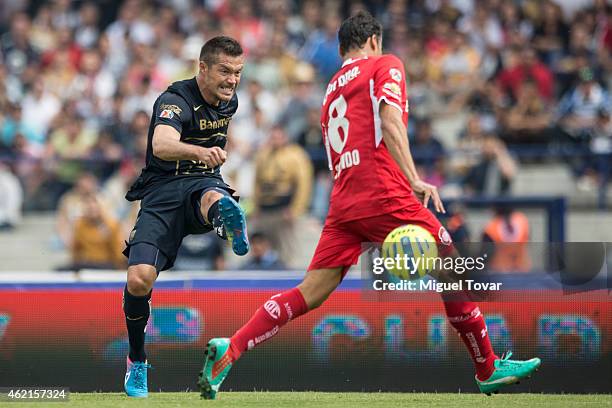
{"x":267,"y":320}
{"x":466,"y":318}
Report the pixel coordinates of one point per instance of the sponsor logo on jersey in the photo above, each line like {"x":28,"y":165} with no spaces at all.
{"x":273,"y":309}
{"x":444,"y":236}
{"x":393,"y":88}
{"x":396,"y":74}
{"x":214,"y":124}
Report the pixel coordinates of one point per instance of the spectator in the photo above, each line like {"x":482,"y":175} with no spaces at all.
{"x":321,"y":48}
{"x":97,"y":240}
{"x":71,"y":144}
{"x":39,"y":107}
{"x":311,"y":140}
{"x":597,"y":166}
{"x":428,"y":153}
{"x":16,"y":50}
{"x":93,"y":86}
{"x":529,"y":120}
{"x":456,"y":225}
{"x":283,"y":183}
{"x":459,"y":67}
{"x":304,"y":96}
{"x":524,"y":65}
{"x":493,"y":172}
{"x":551,"y":35}
{"x":508,"y":231}
{"x":87,"y":32}
{"x":578,"y":108}
{"x":263,"y":257}
{"x":72,"y":206}
{"x":15,"y":124}
{"x":11,"y":199}
{"x":200,"y":253}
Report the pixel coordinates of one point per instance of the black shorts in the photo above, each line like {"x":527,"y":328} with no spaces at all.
{"x":171,"y":211}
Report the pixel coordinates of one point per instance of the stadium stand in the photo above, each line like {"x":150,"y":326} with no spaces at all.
{"x":78,"y":80}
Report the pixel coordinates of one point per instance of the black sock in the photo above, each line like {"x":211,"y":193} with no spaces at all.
{"x":137,"y":310}
{"x":215,"y":219}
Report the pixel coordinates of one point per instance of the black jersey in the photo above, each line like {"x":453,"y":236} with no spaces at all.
{"x":183,"y":107}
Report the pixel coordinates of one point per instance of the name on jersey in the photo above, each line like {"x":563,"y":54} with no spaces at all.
{"x":214,"y":124}
{"x":341,"y":81}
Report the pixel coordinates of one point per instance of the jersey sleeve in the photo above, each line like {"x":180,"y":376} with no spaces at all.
{"x":172,"y":110}
{"x":390,"y":82}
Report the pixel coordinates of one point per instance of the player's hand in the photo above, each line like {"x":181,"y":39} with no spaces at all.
{"x":425,"y":191}
{"x":213,"y":156}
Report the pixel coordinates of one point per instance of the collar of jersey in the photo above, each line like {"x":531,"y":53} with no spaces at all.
{"x":352,"y":60}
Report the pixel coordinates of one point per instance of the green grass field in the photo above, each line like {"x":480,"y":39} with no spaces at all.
{"x":333,"y":400}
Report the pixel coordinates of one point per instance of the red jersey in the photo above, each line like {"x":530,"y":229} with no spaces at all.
{"x":367,"y":181}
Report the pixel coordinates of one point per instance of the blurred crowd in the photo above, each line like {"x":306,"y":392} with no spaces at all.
{"x":488,"y":81}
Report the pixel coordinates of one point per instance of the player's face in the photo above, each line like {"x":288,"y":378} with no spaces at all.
{"x":223,"y":77}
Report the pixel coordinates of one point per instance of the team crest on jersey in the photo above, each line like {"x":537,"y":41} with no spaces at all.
{"x":393,"y":89}
{"x":444,"y":236}
{"x":174,"y":108}
{"x":166,"y":113}
{"x":395,"y":74}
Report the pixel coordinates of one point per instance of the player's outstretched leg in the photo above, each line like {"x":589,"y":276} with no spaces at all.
{"x":492,"y":373}
{"x":266,"y":322}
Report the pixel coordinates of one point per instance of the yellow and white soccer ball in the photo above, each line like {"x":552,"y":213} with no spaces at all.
{"x":417,"y":244}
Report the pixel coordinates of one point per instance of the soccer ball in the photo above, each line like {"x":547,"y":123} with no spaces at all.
{"x":413,"y":251}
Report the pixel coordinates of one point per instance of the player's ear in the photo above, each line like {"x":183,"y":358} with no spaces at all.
{"x":203,"y":66}
{"x":376,"y":44}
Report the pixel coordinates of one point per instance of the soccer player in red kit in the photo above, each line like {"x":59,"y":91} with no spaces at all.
{"x":376,"y":189}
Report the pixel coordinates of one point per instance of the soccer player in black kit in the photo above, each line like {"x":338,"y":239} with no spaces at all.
{"x":181,"y":188}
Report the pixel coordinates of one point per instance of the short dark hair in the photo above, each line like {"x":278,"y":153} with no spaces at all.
{"x":355,"y":31}
{"x":219,"y":45}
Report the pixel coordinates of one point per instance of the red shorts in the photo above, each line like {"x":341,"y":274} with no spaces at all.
{"x":340,"y":242}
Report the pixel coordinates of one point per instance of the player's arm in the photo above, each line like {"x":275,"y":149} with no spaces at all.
{"x":167,"y":145}
{"x":172,"y":114}
{"x":395,"y":138}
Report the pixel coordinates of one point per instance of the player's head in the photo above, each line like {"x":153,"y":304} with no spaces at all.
{"x":221,"y":62}
{"x":360,"y":33}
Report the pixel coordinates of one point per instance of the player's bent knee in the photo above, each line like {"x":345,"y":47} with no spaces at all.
{"x":209,"y":198}
{"x":140,"y":279}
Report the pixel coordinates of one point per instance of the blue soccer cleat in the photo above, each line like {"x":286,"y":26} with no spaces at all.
{"x":135,"y":383}
{"x":234,"y":223}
